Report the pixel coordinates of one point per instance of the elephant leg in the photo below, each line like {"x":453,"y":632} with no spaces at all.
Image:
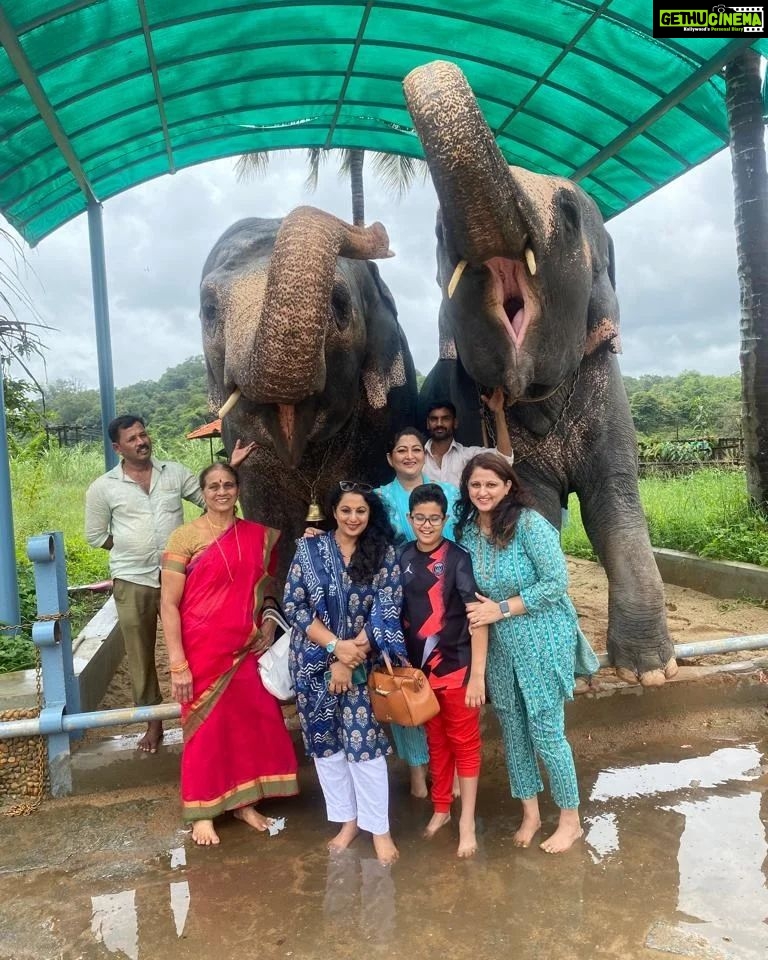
{"x":639,"y":645}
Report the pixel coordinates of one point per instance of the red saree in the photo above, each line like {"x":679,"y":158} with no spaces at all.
{"x":236,"y":747}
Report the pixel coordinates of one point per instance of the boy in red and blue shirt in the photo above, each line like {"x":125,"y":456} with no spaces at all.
{"x":438,"y":582}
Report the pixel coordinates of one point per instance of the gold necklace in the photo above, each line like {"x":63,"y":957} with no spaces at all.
{"x":221,"y":551}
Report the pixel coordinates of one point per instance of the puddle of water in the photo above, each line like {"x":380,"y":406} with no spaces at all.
{"x":648,"y":779}
{"x":114,"y":922}
{"x":674,"y":859}
{"x":724,"y":838}
{"x":601,"y":835}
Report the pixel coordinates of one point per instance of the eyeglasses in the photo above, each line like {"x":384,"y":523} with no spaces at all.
{"x":351,"y":486}
{"x":421,"y":520}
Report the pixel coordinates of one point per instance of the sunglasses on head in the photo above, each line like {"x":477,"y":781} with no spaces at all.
{"x":351,"y":486}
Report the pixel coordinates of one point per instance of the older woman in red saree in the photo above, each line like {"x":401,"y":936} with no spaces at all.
{"x":217,"y":579}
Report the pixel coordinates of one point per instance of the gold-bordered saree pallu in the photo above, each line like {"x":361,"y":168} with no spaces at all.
{"x":236,"y":748}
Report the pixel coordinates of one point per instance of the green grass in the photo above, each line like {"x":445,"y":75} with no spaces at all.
{"x":706,"y":513}
{"x":49,"y":495}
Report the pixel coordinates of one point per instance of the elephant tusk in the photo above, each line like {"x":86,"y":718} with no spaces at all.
{"x":233,"y":398}
{"x":454,"y":282}
{"x":531,"y":261}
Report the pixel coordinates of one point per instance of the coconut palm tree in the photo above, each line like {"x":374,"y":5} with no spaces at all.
{"x":750,"y":187}
{"x":396,"y":172}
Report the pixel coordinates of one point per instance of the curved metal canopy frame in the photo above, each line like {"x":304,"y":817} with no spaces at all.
{"x":97,"y":97}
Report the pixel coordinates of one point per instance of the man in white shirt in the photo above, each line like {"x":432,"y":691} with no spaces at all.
{"x":131,"y":511}
{"x":446,"y":458}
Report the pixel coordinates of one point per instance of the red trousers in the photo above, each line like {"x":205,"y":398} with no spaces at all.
{"x":454,"y":744}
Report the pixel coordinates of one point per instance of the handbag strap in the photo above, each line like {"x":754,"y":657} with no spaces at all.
{"x":387,"y":663}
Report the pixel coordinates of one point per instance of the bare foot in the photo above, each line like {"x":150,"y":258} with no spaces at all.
{"x":149,"y":742}
{"x":253,"y":818}
{"x":438,"y":820}
{"x":344,"y":837}
{"x":567,"y":833}
{"x":203,"y":833}
{"x":527,"y":830}
{"x":385,"y":848}
{"x":419,"y":781}
{"x":456,"y":787}
{"x":467,"y":840}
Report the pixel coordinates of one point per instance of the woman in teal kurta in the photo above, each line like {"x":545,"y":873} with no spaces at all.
{"x":534,"y":638}
{"x":406,"y":457}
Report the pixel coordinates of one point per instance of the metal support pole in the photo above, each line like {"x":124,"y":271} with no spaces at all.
{"x":9,"y":581}
{"x":52,"y":635}
{"x":101,"y":319}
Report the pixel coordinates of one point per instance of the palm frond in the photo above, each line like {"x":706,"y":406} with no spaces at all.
{"x":251,"y":166}
{"x":18,"y":338}
{"x":316,"y":157}
{"x":397,"y":173}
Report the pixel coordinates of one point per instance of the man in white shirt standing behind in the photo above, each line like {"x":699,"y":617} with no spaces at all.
{"x":446,"y":458}
{"x":131,"y":511}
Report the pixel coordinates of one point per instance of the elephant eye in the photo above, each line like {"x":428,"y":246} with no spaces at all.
{"x":209,"y":314}
{"x":570,"y":213}
{"x":341,"y":306}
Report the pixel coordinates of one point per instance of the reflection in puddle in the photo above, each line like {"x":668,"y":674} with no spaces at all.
{"x":115,"y":924}
{"x":730,"y":763}
{"x":180,"y":905}
{"x":724,"y":838}
{"x":348,"y":877}
{"x":602,"y":836}
{"x":178,"y":857}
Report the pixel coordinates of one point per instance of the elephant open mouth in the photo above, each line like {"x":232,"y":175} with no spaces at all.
{"x":509,"y":296}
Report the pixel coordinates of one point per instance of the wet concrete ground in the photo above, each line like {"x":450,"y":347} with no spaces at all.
{"x":673,"y":864}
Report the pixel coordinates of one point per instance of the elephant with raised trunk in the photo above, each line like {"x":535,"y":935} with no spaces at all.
{"x":526,"y":269}
{"x":306,"y":357}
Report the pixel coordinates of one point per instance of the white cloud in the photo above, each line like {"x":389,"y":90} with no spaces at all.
{"x":676,"y":268}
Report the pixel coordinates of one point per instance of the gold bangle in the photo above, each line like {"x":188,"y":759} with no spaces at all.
{"x":180,"y":667}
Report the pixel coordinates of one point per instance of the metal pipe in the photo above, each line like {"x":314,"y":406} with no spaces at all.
{"x":171,"y":711}
{"x":9,"y":581}
{"x":97,"y":718}
{"x":706,"y":648}
{"x":101,"y":319}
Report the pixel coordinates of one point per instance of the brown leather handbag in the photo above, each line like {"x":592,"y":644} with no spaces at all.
{"x":401,"y":695}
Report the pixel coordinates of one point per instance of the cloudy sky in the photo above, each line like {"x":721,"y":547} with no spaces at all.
{"x":676,"y":268}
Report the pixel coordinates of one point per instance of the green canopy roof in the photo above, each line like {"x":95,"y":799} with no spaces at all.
{"x":97,"y":96}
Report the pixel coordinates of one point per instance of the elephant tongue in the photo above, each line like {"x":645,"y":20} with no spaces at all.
{"x":508,"y":295}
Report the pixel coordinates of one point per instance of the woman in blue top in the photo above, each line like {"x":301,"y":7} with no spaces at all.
{"x":406,"y":457}
{"x":534,"y":641}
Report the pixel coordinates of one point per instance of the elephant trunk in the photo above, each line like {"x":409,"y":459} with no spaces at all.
{"x":288,"y":360}
{"x":471,"y":177}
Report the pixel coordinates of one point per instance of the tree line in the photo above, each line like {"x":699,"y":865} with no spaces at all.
{"x":690,"y":405}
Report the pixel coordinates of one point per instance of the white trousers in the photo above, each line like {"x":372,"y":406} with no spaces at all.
{"x":355,"y":791}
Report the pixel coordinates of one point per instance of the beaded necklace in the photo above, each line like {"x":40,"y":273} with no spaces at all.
{"x":221,"y":551}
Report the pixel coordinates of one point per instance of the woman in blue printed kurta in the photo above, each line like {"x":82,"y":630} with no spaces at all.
{"x":407,"y":457}
{"x":534,"y":638}
{"x":343,"y":600}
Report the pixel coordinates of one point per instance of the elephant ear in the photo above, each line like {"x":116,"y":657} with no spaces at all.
{"x":387,"y":363}
{"x":603,"y":311}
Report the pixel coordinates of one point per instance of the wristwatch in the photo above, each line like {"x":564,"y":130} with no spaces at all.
{"x":330,"y":647}
{"x":504,"y":607}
